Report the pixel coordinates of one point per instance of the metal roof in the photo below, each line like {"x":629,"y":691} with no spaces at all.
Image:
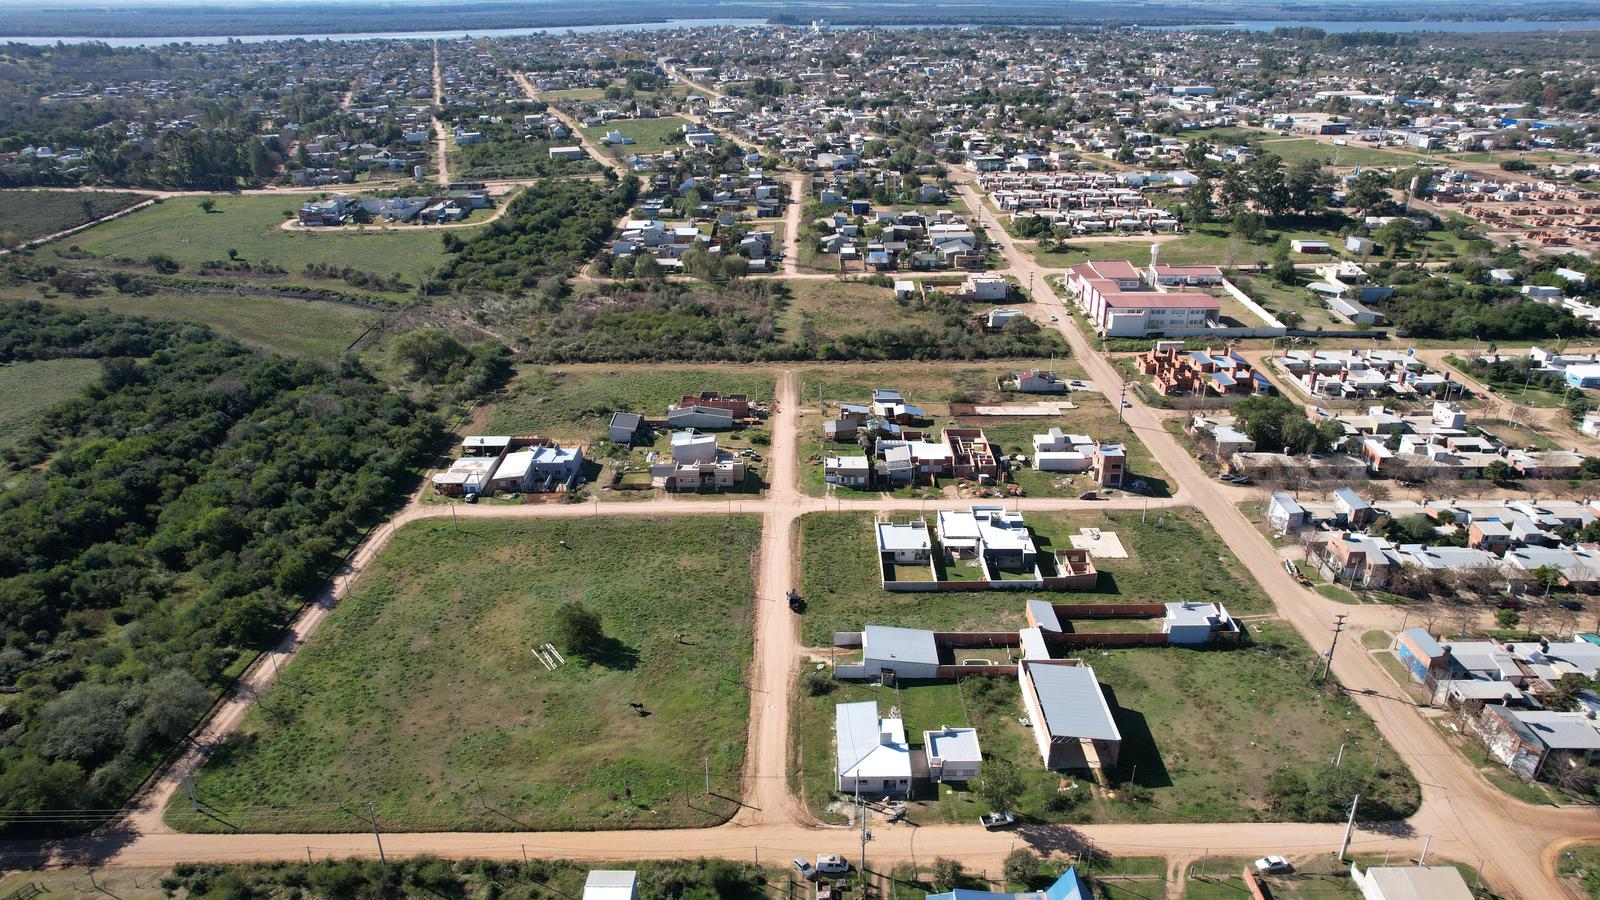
{"x":1071,"y":701}
{"x":911,"y":645}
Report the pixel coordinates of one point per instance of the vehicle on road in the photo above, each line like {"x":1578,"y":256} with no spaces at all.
{"x":997,"y":820}
{"x":1055,"y":318}
{"x":1088,"y":495}
{"x":796,"y":604}
{"x":1273,"y":865}
{"x":831,"y":864}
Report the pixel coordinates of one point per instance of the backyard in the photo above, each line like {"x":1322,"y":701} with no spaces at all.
{"x":1202,"y":730}
{"x":1173,"y":555}
{"x":422,"y":692}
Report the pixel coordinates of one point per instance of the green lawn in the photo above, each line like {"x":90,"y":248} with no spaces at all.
{"x":1582,"y":865}
{"x":29,"y":388}
{"x":1203,"y":730}
{"x":1354,"y":153}
{"x":1174,"y":555}
{"x":250,"y":225}
{"x":421,"y":693}
{"x":649,"y":135}
{"x":296,"y":327}
{"x":26,"y":215}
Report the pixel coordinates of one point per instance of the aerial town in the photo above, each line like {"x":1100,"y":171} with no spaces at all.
{"x":836,"y":455}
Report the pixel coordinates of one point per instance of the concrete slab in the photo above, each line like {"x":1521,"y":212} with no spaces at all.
{"x":1100,"y":544}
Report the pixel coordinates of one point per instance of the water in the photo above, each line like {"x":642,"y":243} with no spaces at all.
{"x":1340,"y":27}
{"x":1331,"y":27}
{"x":385,"y":35}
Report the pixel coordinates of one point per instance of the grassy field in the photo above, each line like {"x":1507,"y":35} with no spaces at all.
{"x":313,"y":328}
{"x":29,"y":388}
{"x":575,"y":402}
{"x":421,"y":692}
{"x":250,"y":225}
{"x":837,"y":308}
{"x":1276,"y":298}
{"x":1294,"y":149}
{"x":649,"y":135}
{"x":1321,"y":878}
{"x":27,"y":215}
{"x":1174,"y":555}
{"x":1582,"y":865}
{"x":1202,"y":730}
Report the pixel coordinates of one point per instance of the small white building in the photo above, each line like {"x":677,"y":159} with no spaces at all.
{"x":611,"y":884}
{"x":953,"y":754}
{"x":1194,"y":623}
{"x":1000,"y":317}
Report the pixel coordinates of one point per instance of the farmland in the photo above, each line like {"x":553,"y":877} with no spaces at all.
{"x":421,"y":692}
{"x":27,"y":215}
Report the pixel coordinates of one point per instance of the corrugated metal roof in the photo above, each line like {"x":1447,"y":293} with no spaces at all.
{"x":911,"y":645}
{"x":1072,"y":702}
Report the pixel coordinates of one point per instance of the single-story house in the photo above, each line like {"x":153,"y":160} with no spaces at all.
{"x":905,"y":652}
{"x":870,"y":751}
{"x":953,"y":754}
{"x":611,"y":884}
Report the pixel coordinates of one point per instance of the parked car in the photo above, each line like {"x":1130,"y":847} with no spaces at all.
{"x":831,"y":864}
{"x":1508,"y":603}
{"x":806,"y":869}
{"x":1273,"y":865}
{"x":997,"y":820}
{"x":1570,"y":604}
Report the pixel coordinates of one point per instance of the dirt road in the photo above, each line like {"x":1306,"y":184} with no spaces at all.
{"x":1468,"y":818}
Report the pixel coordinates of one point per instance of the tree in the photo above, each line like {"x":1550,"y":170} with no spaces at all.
{"x":736,"y":266}
{"x":999,"y":786}
{"x":1396,"y":235}
{"x":208,"y":205}
{"x":429,"y":351}
{"x":1198,"y":207}
{"x":1498,"y":472}
{"x":646,"y":268}
{"x":1369,"y":191}
{"x":1021,"y":867}
{"x":578,"y":629}
{"x":947,"y":873}
{"x":1307,"y":184}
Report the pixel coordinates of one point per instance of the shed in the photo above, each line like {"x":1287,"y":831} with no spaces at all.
{"x":907,"y":652}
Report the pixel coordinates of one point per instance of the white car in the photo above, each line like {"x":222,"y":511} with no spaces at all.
{"x":1273,"y":865}
{"x":831,"y":864}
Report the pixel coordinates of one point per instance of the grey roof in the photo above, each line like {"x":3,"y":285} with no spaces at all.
{"x":1424,"y":642}
{"x":1044,"y":614}
{"x":912,"y":645}
{"x":1071,"y":701}
{"x":626,"y":420}
{"x":1555,"y":730}
{"x":1419,"y":883}
{"x":959,"y":744}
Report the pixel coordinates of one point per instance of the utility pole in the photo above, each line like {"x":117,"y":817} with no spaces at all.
{"x":1423,"y":859}
{"x":1338,"y":757}
{"x":1349,"y":826}
{"x":372,"y":815}
{"x":866,"y":835}
{"x":708,"y":775}
{"x":1338,"y":627}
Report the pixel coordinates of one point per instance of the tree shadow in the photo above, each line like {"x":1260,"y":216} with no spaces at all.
{"x":610,"y":653}
{"x":1140,"y":758}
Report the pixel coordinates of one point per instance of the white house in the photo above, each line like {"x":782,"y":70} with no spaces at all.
{"x":1411,"y":883}
{"x":953,"y":754}
{"x":1001,"y":316}
{"x":1284,"y":514}
{"x":1194,"y":623}
{"x":870,"y":752}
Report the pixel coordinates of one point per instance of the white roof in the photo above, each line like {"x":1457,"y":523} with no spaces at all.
{"x":952,"y":744}
{"x":903,"y":536}
{"x":611,"y":884}
{"x":1417,"y":883}
{"x":867,"y":746}
{"x":516,"y":465}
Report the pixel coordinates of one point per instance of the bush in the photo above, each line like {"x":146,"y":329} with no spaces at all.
{"x":1021,"y":866}
{"x":947,"y":873}
{"x":578,"y":629}
{"x":817,"y":683}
